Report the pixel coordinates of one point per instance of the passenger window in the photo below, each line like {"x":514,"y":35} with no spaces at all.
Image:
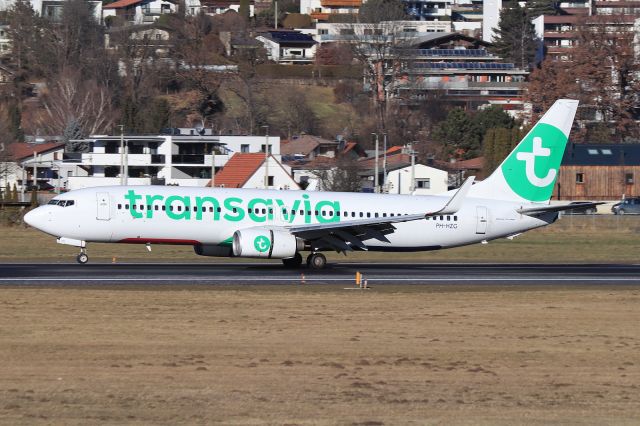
{"x":455,"y":218}
{"x":317,"y":213}
{"x":264,"y":211}
{"x":156,"y":207}
{"x":353,"y":214}
{"x":448,"y":218}
{"x":126,"y":206}
{"x":164,"y":208}
{"x":219,"y":209}
{"x":134,"y":206}
{"x":441,"y":217}
{"x":384,"y":215}
{"x":235,"y":210}
{"x":210,"y":209}
{"x":324,"y":213}
{"x":249,"y":211}
{"x":361,"y":214}
{"x":376,"y":214}
{"x":119,"y":206}
{"x":368,"y":214}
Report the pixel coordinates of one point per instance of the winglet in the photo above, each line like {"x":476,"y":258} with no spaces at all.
{"x":455,"y":202}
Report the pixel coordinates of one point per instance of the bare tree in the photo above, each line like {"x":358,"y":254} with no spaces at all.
{"x":73,"y":102}
{"x":344,"y":176}
{"x":377,"y":39}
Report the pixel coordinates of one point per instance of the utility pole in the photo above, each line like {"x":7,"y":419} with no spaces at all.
{"x":275,"y":15}
{"x":121,"y":154}
{"x":266,"y":158}
{"x":412,"y":187}
{"x":35,"y":170}
{"x":375,"y":173}
{"x":384,"y":161}
{"x":213,"y":165}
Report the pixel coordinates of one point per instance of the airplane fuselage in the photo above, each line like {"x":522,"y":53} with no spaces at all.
{"x":206,"y":216}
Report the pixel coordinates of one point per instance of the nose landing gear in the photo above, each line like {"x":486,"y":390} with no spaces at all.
{"x":82,"y":258}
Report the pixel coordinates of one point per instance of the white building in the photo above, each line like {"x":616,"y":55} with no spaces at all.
{"x":253,"y":171}
{"x":169,"y":159}
{"x":490,"y":18}
{"x":139,"y":11}
{"x":288,"y":46}
{"x":52,"y":9}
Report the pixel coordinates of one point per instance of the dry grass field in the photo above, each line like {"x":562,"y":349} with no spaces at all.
{"x":320,"y":355}
{"x":572,"y":239}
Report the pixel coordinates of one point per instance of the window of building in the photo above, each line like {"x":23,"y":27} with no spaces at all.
{"x":579,"y":177}
{"x":244,"y":147}
{"x":270,"y":181}
{"x":628,"y":178}
{"x":423,"y":183}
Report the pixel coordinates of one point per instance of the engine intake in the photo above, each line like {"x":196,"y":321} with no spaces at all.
{"x":266,"y":243}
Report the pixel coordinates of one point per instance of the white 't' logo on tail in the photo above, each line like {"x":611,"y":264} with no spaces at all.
{"x":530,"y":162}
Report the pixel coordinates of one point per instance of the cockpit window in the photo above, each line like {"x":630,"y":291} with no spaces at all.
{"x":62,"y":203}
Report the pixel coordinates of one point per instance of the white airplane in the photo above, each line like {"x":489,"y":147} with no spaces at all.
{"x":276,"y":224}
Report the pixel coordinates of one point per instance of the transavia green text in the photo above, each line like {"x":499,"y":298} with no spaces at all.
{"x":233,"y":209}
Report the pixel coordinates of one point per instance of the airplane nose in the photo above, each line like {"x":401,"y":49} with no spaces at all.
{"x":36,"y":218}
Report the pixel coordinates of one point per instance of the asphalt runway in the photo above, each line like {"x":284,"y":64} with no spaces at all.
{"x":256,"y":273}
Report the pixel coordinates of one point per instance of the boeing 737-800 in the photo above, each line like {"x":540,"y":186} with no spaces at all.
{"x":277,"y":224}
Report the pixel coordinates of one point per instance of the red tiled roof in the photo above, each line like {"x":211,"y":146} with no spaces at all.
{"x":22,"y":150}
{"x":304,"y":145}
{"x":394,"y":150}
{"x":238,"y":170}
{"x":471,"y":164}
{"x":121,"y":3}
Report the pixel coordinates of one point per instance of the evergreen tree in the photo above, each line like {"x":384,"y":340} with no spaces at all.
{"x":488,"y":151}
{"x":536,"y":8}
{"x":6,"y":195}
{"x":72,"y":131}
{"x":459,"y":134}
{"x":14,"y":193}
{"x":515,"y":39}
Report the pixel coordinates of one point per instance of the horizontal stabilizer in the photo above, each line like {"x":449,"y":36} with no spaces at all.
{"x":558,"y":208}
{"x":455,"y":202}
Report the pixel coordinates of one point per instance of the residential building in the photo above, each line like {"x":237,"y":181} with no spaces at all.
{"x":308,"y":147}
{"x":599,"y":172}
{"x":396,"y":31}
{"x":288,"y":46}
{"x":217,"y":7}
{"x":490,"y":19}
{"x":254,"y":171}
{"x":139,"y":11}
{"x":52,"y":9}
{"x":427,"y":180}
{"x":457,"y":68}
{"x":36,"y":165}
{"x":323,"y":10}
{"x":154,"y":36}
{"x":178,"y":157}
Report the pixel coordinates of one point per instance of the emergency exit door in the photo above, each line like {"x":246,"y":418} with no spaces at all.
{"x":104,"y":206}
{"x":481,"y":220}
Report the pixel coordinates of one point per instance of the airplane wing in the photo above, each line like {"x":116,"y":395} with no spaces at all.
{"x":347,"y":235}
{"x":532,"y":211}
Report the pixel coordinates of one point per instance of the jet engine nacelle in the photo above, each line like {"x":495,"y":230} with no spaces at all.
{"x":266,"y":243}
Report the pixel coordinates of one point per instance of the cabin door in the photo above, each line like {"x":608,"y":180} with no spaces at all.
{"x":481,"y":220}
{"x":104,"y":207}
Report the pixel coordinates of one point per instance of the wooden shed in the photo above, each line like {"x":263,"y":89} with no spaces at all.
{"x":599,"y":172}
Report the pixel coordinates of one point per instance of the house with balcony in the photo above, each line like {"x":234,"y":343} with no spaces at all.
{"x":457,"y":68}
{"x":323,"y":10}
{"x":288,"y":47}
{"x":40,"y":165}
{"x":139,"y":11}
{"x":218,"y":7}
{"x":176,"y":157}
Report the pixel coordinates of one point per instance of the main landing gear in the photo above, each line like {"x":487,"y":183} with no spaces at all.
{"x":314,"y":261}
{"x":82,"y":257}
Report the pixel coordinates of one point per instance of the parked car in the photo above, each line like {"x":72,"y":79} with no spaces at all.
{"x":627,"y":206}
{"x":583,"y":210}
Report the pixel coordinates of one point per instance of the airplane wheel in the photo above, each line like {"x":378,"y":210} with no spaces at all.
{"x":316,"y":261}
{"x":82,"y":258}
{"x":293,"y":262}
